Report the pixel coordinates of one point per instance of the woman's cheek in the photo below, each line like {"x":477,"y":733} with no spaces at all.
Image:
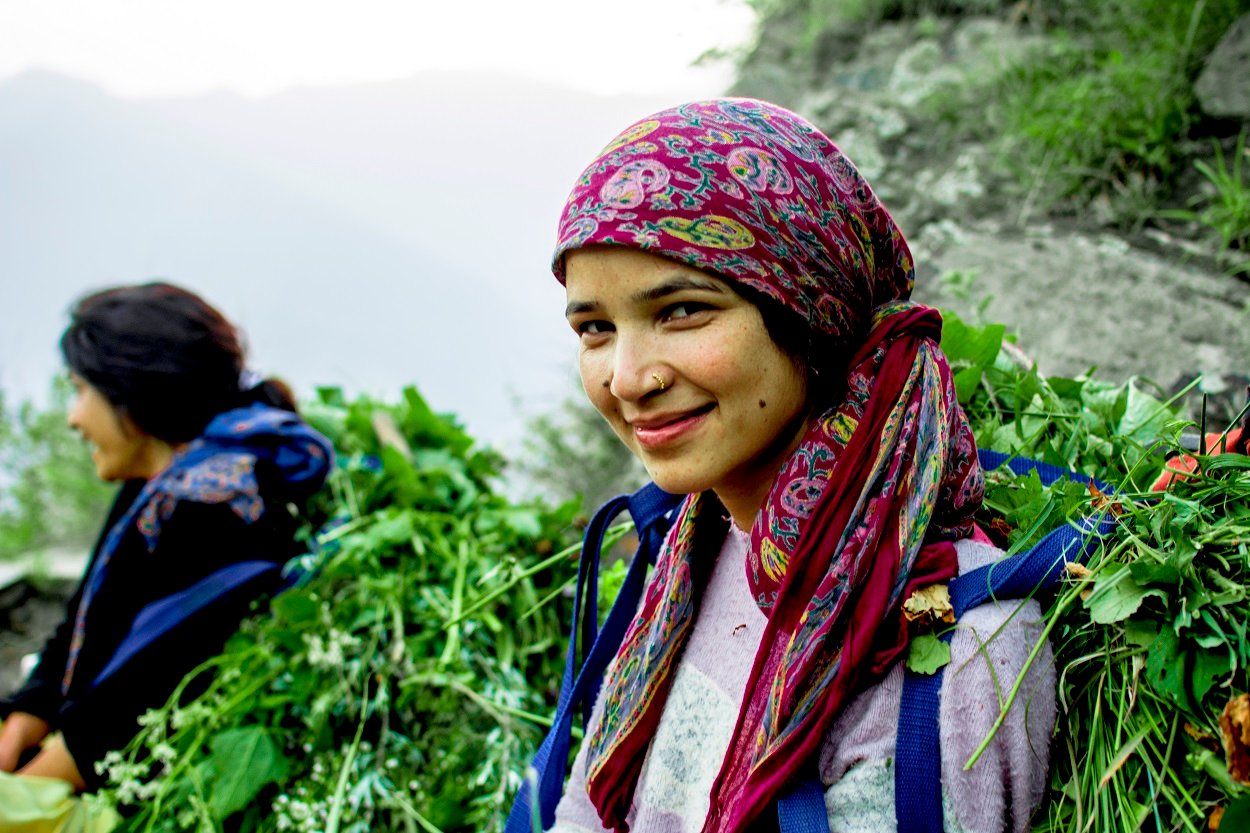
{"x":595,"y":380}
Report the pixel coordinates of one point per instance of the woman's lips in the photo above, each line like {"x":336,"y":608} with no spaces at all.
{"x":659,"y":431}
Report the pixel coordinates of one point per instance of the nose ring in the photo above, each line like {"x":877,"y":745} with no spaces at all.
{"x":659,"y":380}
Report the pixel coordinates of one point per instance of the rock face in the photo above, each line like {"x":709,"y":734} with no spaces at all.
{"x":1080,"y":301}
{"x":1223,"y":88}
{"x":1079,"y":295}
{"x":29,"y":613}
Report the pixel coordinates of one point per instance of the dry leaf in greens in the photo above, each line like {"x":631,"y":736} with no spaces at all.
{"x":1235,"y":726}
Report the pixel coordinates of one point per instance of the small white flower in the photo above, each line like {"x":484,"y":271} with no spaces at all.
{"x":151,"y":717}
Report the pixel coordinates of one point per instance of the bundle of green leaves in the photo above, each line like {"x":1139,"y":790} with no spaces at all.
{"x":1150,"y":633}
{"x":389,"y":691}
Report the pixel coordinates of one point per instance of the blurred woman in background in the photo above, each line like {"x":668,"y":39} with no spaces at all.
{"x":212,"y":462}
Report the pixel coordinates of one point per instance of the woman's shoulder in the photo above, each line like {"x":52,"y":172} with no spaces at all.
{"x":220,"y":488}
{"x":992,"y":647}
{"x":999,"y":634}
{"x":1000,"y":662}
{"x":993,"y":644}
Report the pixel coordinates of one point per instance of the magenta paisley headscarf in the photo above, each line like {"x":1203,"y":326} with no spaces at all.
{"x":864,"y":511}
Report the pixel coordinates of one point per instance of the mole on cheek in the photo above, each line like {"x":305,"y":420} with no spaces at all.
{"x":606,"y":383}
{"x":763,"y":404}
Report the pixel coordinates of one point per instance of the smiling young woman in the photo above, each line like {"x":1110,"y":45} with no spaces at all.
{"x":209,"y":458}
{"x":732,"y":405}
{"x":740,"y":299}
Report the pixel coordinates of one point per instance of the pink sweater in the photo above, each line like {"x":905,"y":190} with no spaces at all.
{"x":988,"y":651}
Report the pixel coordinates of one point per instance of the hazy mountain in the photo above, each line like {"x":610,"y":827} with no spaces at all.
{"x":367,"y":235}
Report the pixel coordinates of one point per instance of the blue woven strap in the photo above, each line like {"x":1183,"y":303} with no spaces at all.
{"x":801,"y":809}
{"x":651,"y":509}
{"x":162,"y":616}
{"x":918,"y":754}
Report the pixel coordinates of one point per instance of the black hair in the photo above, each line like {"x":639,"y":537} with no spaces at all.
{"x":163,"y":357}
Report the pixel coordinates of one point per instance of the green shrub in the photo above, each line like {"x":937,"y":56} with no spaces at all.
{"x":50,"y":495}
{"x":1226,"y":212}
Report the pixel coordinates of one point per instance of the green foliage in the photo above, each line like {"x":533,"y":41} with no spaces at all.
{"x":391,"y":691}
{"x":1226,"y":211}
{"x":813,"y":18}
{"x":1150,"y":635}
{"x":927,"y":653}
{"x":49,"y":492}
{"x":1084,"y":424}
{"x":1153,"y":643}
{"x":1105,"y":110}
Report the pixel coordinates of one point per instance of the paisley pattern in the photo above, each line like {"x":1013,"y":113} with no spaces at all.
{"x":228,"y":478}
{"x":759,"y":170}
{"x":631,"y":183}
{"x":865,"y":509}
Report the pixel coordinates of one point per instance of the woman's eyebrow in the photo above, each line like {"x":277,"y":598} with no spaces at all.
{"x":674,"y":285}
{"x":578,"y":307}
{"x":651,"y":293}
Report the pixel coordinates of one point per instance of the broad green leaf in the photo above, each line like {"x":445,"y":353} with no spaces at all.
{"x":1116,"y":597}
{"x":1236,"y":815}
{"x":1145,"y":418}
{"x":294,"y":607}
{"x":966,"y":383}
{"x":1165,"y":668}
{"x":1140,"y":633}
{"x":1209,"y":668}
{"x":392,"y":529}
{"x":244,"y":760}
{"x":1150,"y":572}
{"x":926,"y":654}
{"x":976,"y":346}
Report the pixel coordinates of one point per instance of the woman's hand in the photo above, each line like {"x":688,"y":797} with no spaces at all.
{"x":19,"y":732}
{"x":54,"y":761}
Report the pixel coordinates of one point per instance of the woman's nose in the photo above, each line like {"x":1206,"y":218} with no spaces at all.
{"x":635,"y":360}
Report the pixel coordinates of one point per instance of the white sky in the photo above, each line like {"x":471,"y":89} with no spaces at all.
{"x":136,"y":48}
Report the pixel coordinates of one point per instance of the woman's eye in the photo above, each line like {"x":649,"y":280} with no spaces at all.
{"x":593,"y":328}
{"x":684,"y":310}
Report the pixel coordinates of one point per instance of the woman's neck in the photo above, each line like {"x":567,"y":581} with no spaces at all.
{"x":156,"y":457}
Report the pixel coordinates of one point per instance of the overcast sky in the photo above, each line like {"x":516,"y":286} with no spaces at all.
{"x":259,"y":47}
{"x":87,"y":206}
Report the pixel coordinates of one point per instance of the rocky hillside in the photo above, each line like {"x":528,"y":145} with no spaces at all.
{"x":1081,"y":287}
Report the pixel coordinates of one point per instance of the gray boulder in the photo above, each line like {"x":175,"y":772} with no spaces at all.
{"x":1223,"y":88}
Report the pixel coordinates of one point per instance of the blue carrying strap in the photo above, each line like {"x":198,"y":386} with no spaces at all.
{"x":162,"y":616}
{"x":801,"y":809}
{"x":918,"y":753}
{"x":651,"y":508}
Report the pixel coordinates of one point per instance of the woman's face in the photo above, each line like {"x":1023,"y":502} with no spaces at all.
{"x":732,"y":406}
{"x":119,"y":450}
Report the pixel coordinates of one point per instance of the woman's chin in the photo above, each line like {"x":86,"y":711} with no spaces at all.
{"x":676,"y":483}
